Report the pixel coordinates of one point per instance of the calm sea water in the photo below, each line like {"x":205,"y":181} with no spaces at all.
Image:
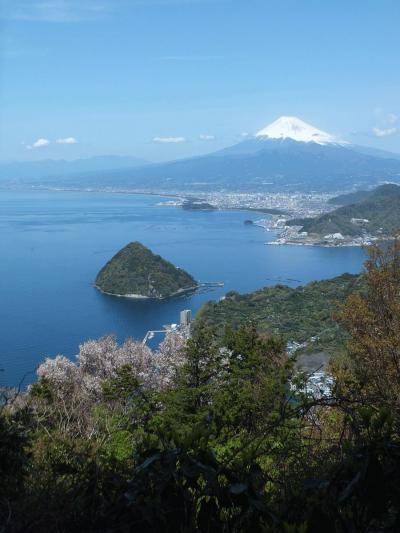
{"x":54,"y":243}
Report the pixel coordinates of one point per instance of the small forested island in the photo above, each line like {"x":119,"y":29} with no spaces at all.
{"x":198,"y":205}
{"x":136,"y":272}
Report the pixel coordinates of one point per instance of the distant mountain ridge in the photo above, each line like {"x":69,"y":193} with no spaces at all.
{"x":349,"y":198}
{"x":288,"y":155}
{"x":61,"y":167}
{"x":266,"y":165}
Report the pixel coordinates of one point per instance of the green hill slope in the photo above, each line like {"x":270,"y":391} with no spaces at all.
{"x":349,"y":198}
{"x":136,"y":272}
{"x":381,"y":209}
{"x":303,"y":314}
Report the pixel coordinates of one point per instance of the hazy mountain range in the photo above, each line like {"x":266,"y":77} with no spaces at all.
{"x":60,"y":167}
{"x":287,"y":155}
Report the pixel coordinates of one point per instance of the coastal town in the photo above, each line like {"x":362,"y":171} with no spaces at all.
{"x":280,"y":209}
{"x":288,"y":204}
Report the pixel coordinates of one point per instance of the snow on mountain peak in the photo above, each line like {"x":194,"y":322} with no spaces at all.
{"x":296,"y":129}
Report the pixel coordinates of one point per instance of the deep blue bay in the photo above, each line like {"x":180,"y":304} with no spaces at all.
{"x":54,"y":243}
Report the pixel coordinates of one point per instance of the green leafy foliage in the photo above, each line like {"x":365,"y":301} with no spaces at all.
{"x":236,"y":442}
{"x":299,"y":314}
{"x":136,"y":270}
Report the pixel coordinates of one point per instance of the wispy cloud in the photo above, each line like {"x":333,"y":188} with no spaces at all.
{"x":54,"y":10}
{"x":172,"y":3}
{"x":79,"y":10}
{"x":204,"y":137}
{"x":169,"y":140}
{"x":386,"y":126}
{"x":384,"y":132}
{"x":392,"y":118}
{"x":387,"y":123}
{"x":190,"y":58}
{"x":42,"y":142}
{"x":67,"y":140}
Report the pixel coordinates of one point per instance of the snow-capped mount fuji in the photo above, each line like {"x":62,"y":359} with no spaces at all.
{"x":285,"y":133}
{"x":288,"y":155}
{"x":297,"y":130}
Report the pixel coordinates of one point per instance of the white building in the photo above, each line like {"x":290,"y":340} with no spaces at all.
{"x":186,"y":317}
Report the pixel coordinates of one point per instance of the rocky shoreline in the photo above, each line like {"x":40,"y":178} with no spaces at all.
{"x":143,"y":297}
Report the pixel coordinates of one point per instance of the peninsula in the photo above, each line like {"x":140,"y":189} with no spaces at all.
{"x":364,"y":217}
{"x":136,"y":272}
{"x":302,"y":316}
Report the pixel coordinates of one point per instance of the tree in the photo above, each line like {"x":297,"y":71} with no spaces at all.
{"x":373,"y":321}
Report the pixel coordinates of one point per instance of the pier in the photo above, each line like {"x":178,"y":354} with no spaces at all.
{"x":150,"y":334}
{"x":183,"y":328}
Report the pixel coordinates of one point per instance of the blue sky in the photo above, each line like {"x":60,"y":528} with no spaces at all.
{"x":163,"y":79}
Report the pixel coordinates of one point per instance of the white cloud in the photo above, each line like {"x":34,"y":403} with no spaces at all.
{"x":384,"y":132}
{"x":169,"y":140}
{"x":204,"y":137}
{"x":67,"y":140}
{"x":39,"y":143}
{"x":244,"y":134}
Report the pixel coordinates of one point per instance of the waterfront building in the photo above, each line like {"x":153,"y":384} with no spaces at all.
{"x":186,"y":317}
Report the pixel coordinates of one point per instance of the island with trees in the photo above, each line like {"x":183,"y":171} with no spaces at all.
{"x":136,"y":272}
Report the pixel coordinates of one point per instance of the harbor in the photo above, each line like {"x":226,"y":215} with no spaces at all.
{"x":183,"y":328}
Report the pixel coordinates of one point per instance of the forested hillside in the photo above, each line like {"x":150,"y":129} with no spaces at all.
{"x":304,"y":314}
{"x":216,"y":434}
{"x":380,"y":209}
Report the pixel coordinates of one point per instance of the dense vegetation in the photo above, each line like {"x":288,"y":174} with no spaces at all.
{"x":135,"y":270}
{"x":197,"y":205}
{"x":304,"y":314}
{"x":215,"y":435}
{"x":349,"y":198}
{"x":381,"y":207}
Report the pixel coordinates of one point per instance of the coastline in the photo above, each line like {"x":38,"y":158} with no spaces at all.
{"x":294,"y":236}
{"x":346,"y":241}
{"x":144,"y":297}
{"x":180,"y":197}
{"x":285,"y":235}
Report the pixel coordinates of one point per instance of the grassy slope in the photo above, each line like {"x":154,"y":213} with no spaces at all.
{"x":295,"y":314}
{"x":136,"y":270}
